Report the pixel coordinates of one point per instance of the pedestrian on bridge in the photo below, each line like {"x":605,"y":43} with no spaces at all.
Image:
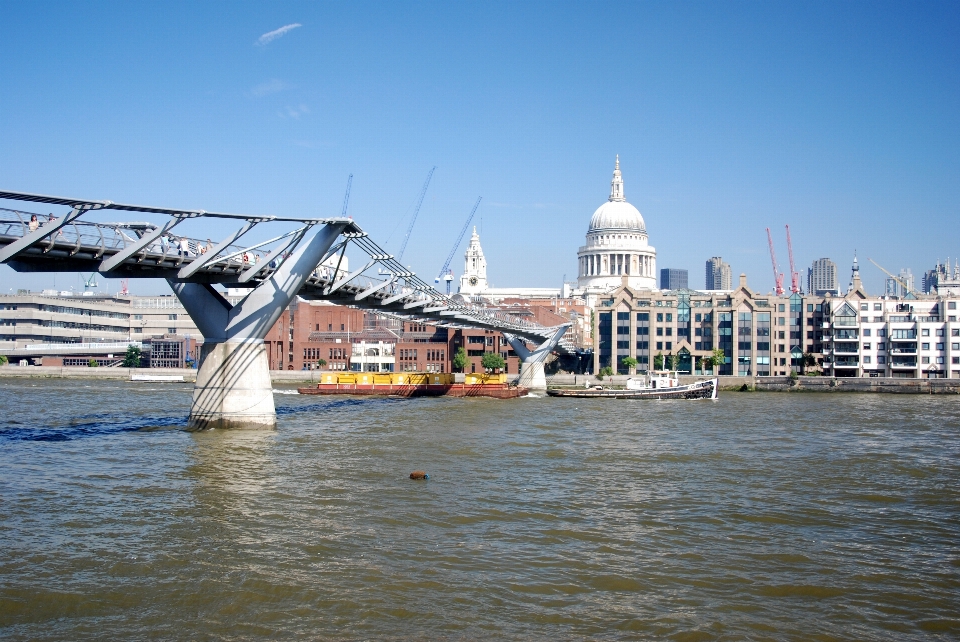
{"x":34,"y":223}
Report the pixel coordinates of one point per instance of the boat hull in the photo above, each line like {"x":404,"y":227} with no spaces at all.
{"x":700,"y":390}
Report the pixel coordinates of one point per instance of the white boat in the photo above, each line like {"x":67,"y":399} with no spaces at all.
{"x":659,"y":384}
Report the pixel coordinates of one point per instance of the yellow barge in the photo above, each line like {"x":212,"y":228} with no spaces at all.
{"x":415,"y":384}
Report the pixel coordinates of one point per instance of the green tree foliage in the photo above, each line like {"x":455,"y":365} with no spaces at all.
{"x":3,"y":360}
{"x":132,"y":358}
{"x":605,"y":372}
{"x":460,"y":359}
{"x":322,"y":362}
{"x":492,"y":361}
{"x":717,"y":357}
{"x":93,"y":363}
{"x":658,"y":361}
{"x":674,"y":361}
{"x":629,"y":362}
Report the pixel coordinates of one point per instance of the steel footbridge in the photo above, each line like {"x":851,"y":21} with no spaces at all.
{"x":304,"y":261}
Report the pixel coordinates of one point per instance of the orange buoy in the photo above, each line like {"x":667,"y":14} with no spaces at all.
{"x":419,"y":474}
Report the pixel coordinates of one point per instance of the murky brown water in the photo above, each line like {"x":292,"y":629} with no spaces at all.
{"x":786,"y":516}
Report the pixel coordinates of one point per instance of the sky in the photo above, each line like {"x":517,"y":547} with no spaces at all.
{"x":841,"y":119}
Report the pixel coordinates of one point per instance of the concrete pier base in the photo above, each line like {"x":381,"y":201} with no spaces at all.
{"x":532,"y":375}
{"x":233,"y":388}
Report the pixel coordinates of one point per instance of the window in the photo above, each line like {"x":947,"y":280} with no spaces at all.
{"x":881,"y":360}
{"x":669,"y":332}
{"x":171,"y":317}
{"x":643,"y":330}
{"x":780,"y":308}
{"x":881,"y":346}
{"x":659,"y":332}
{"x":955,"y":332}
{"x":643,"y":316}
{"x":866,"y":359}
{"x":669,"y":345}
{"x":939,"y":332}
{"x":882,"y":332}
{"x":924,"y":346}
{"x":623,"y":345}
{"x":643,"y":345}
{"x":698,"y":317}
{"x":623,"y":316}
{"x":925,"y":360}
{"x":781,"y":335}
{"x":940,"y":360}
{"x":809,"y":307}
{"x":698,"y":332}
{"x":866,"y":332}
{"x":866,"y":346}
{"x":864,"y":306}
{"x":781,"y":320}
{"x":669,"y":316}
{"x":925,"y":332}
{"x":955,"y":346}
{"x":951,"y":305}
{"x":939,"y":346}
{"x":660,"y":316}
{"x":659,"y":345}
{"x":955,"y":359}
{"x":878,"y":319}
{"x":171,"y":330}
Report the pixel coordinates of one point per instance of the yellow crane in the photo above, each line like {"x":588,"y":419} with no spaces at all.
{"x":903,"y":283}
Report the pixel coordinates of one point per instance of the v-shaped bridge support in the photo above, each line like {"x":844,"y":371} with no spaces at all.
{"x":532,"y":374}
{"x":233,"y":388}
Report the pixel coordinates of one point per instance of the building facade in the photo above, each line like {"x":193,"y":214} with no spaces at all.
{"x":718,"y":275}
{"x":474,"y":277}
{"x":822,"y":278}
{"x":673,"y":279}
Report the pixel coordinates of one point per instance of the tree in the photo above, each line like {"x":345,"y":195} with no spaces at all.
{"x":698,"y":364}
{"x":809,"y":360}
{"x":674,"y":361}
{"x":606,"y":371}
{"x":3,"y":360}
{"x":460,"y":359}
{"x":658,"y":361}
{"x":629,"y":362}
{"x":492,"y":361}
{"x":93,"y":363}
{"x":322,"y":363}
{"x":132,"y":358}
{"x":716,"y":359}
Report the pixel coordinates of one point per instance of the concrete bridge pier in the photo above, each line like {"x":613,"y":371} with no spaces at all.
{"x":233,"y":388}
{"x":532,"y":374}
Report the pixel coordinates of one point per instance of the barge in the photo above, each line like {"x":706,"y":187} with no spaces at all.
{"x":415,"y":384}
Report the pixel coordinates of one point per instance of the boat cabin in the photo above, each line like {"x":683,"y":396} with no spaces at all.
{"x":655,"y":380}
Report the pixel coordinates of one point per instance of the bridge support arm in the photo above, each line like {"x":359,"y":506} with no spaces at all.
{"x":233,"y":388}
{"x":532,"y":374}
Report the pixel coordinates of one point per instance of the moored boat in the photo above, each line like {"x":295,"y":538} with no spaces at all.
{"x":416,"y":384}
{"x":656,"y":385}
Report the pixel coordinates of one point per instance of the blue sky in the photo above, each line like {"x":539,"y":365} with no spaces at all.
{"x":841,"y":119}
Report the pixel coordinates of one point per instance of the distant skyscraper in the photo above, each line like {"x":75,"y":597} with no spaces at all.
{"x":907,"y":277}
{"x":822,"y":277}
{"x":719,"y":275}
{"x":671,"y":279}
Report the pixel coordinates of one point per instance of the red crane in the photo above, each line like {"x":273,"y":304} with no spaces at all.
{"x":794,"y":275}
{"x":777,"y":275}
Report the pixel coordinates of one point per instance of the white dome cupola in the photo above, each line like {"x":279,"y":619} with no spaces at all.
{"x":616,"y":244}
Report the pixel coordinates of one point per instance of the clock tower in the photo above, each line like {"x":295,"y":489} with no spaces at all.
{"x":474,"y":279}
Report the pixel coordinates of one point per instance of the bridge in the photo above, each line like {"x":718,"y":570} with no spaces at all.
{"x":233,"y":388}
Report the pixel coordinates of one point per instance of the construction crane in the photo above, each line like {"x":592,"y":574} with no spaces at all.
{"x":903,"y":284}
{"x":794,"y":275}
{"x":346,"y":197}
{"x":445,"y":272}
{"x":416,"y":210}
{"x":777,"y":275}
{"x":89,"y":282}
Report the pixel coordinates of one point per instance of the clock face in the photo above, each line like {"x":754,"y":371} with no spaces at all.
{"x":473,"y":280}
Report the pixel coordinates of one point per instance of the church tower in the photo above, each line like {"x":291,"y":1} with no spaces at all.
{"x":474,"y":279}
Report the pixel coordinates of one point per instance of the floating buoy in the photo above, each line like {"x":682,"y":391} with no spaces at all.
{"x":419,"y":474}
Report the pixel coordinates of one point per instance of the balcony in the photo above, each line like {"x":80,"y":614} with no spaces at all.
{"x":825,"y":325}
{"x":846,"y":362}
{"x":903,"y":351}
{"x":903,"y":363}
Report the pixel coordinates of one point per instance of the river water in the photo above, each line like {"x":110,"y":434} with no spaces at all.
{"x":760,"y":515}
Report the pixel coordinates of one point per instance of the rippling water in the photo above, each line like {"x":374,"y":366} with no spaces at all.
{"x":788,"y":516}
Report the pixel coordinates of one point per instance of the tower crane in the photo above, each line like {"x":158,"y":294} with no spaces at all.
{"x":445,"y":273}
{"x":906,"y":287}
{"x":777,"y":275}
{"x":794,"y":275}
{"x":416,"y":210}
{"x":89,"y":282}
{"x":346,"y":197}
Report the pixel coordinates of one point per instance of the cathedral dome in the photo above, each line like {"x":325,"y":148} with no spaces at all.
{"x":617,"y":213}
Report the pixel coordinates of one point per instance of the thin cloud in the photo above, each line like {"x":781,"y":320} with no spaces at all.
{"x":272,"y":86}
{"x":294,"y":112}
{"x":276,"y":33}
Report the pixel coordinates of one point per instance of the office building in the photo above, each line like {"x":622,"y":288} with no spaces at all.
{"x":822,"y":278}
{"x":673,"y":279}
{"x":718,"y":275}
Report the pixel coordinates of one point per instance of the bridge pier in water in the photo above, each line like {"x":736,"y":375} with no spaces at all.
{"x":532,"y":374}
{"x":233,"y":388}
